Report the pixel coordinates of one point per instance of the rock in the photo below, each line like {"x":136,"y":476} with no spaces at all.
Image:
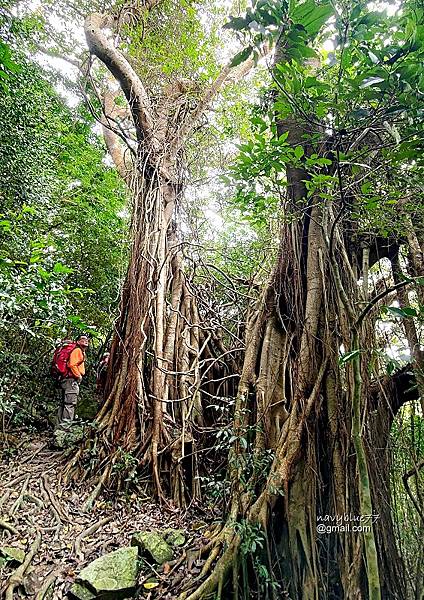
{"x":88,"y":406}
{"x":11,"y":553}
{"x":153,"y":544}
{"x":80,"y":592}
{"x":175,"y":537}
{"x":68,"y":434}
{"x":110,"y":577}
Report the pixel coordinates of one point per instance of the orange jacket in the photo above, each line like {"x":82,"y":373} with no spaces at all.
{"x":76,"y":362}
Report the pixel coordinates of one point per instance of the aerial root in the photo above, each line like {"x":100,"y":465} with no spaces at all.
{"x":50,"y":498}
{"x":17,"y":576}
{"x":5,"y":497}
{"x":210,"y":560}
{"x":71,"y":470}
{"x":35,"y":500}
{"x":16,"y":506}
{"x":9,"y":527}
{"x":88,"y":504}
{"x":87,"y":532}
{"x":217,"y":576}
{"x":31,"y":457}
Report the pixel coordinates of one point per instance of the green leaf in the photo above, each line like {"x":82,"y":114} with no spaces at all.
{"x":43,"y":273}
{"x":59,"y":268}
{"x":299,"y":152}
{"x":369,"y":81}
{"x":311,"y":15}
{"x":409,"y":312}
{"x":349,"y":356}
{"x":397,"y":312}
{"x":236,"y":24}
{"x":241,"y":56}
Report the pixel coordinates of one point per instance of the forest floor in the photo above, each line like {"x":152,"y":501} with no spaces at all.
{"x":34,"y":504}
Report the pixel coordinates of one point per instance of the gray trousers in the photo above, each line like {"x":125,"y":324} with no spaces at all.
{"x":70,"y":392}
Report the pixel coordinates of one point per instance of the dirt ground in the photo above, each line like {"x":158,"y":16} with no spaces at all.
{"x":46,"y":521}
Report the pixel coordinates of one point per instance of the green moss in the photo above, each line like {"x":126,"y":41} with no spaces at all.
{"x":111,"y":577}
{"x":154,"y":545}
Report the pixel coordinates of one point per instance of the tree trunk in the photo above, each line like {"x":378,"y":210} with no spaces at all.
{"x":155,"y":368}
{"x":324,"y":505}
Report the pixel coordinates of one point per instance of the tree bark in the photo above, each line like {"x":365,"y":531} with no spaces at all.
{"x":155,"y":367}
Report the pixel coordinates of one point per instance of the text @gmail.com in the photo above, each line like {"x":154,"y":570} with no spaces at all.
{"x":345,"y":523}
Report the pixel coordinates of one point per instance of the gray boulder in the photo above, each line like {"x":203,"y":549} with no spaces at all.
{"x":67,"y":435}
{"x":152,"y":544}
{"x":110,"y":577}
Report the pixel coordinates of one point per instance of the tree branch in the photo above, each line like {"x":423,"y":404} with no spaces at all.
{"x":131,"y":85}
{"x":227,"y":75}
{"x":119,"y":154}
{"x":56,"y":54}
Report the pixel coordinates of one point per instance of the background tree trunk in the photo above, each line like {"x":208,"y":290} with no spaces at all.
{"x":321,"y":416}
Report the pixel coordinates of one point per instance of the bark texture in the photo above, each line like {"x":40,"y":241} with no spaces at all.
{"x":325,"y":418}
{"x":163,"y":343}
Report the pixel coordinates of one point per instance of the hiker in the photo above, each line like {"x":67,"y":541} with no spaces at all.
{"x":72,"y":375}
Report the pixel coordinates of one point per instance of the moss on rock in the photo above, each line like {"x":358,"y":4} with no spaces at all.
{"x":175,"y":537}
{"x":80,"y":592}
{"x":13,"y":554}
{"x":154,"y":545}
{"x":68,"y":434}
{"x":110,"y":577}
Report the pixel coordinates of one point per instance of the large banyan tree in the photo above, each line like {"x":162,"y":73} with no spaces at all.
{"x":163,"y":343}
{"x":338,"y":153}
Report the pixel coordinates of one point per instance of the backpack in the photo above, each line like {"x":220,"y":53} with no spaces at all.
{"x":59,"y":367}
